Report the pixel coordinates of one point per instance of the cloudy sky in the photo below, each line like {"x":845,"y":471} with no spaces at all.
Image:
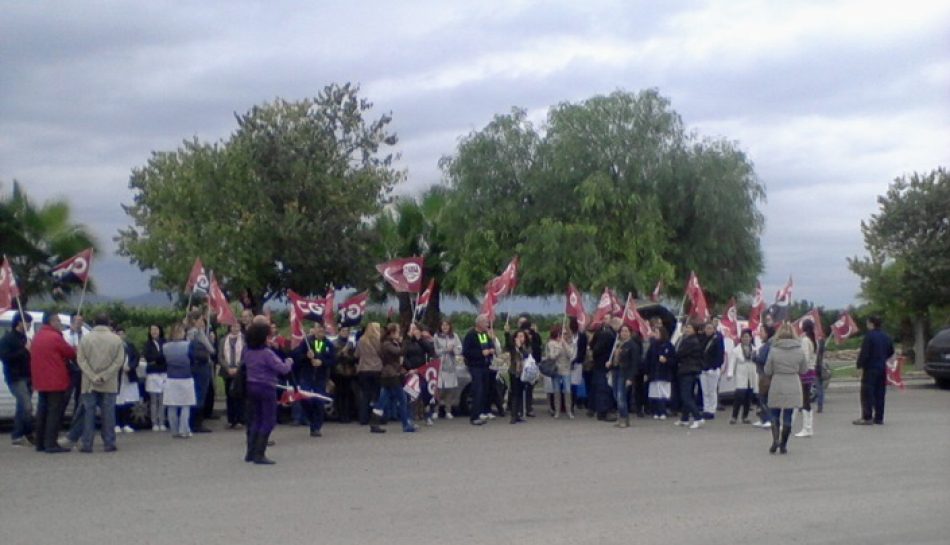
{"x":831,"y":99}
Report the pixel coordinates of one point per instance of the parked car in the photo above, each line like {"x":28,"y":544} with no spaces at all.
{"x":7,"y":403}
{"x":937,"y":358}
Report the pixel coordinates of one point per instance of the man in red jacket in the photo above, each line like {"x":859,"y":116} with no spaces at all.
{"x":48,"y":365}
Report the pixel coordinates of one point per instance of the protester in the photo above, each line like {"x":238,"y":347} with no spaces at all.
{"x":73,"y":337}
{"x":313,"y":359}
{"x":263,"y":368}
{"x":230,"y":358}
{"x":661,"y":363}
{"x":534,"y":342}
{"x":179,"y":395}
{"x":478,"y":349}
{"x":344,"y":376}
{"x":559,"y":349}
{"x":448,"y":348}
{"x":821,"y":383}
{"x":418,"y":350}
{"x":761,"y":356}
{"x":623,"y":365}
{"x":155,"y":375}
{"x":876,"y":349}
{"x":368,"y":370}
{"x":808,"y":378}
{"x":713,"y":359}
{"x":49,"y":366}
{"x":200,"y":350}
{"x":101,"y":355}
{"x":391,"y":378}
{"x":689,"y":358}
{"x":519,"y":351}
{"x":785,"y":364}
{"x":747,"y":380}
{"x":602,"y":347}
{"x":15,"y":354}
{"x":276,"y":342}
{"x":579,"y":350}
{"x":129,"y":393}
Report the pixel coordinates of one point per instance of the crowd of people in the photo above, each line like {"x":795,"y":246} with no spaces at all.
{"x":611,"y":374}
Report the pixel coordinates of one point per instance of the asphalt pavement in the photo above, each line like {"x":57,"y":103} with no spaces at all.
{"x":544,"y":482}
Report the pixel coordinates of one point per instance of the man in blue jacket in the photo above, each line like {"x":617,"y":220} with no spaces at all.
{"x":313,"y":359}
{"x":876,"y":349}
{"x":15,"y":354}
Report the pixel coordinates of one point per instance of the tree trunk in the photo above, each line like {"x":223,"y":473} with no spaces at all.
{"x":920,"y":341}
{"x":433,"y":315}
{"x":405,"y":309}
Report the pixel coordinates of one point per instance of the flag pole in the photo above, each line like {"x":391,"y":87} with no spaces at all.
{"x":85,"y":282}
{"x":617,"y":338}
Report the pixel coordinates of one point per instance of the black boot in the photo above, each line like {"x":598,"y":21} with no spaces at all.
{"x":251,"y":446}
{"x":260,"y":449}
{"x":783,"y":447}
{"x":374,"y":426}
{"x":775,"y":432}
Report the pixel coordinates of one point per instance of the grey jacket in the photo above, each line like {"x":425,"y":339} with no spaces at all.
{"x":100,"y":356}
{"x":785,"y":363}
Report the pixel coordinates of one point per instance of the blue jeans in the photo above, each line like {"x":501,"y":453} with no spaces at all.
{"x":22,"y":392}
{"x":620,"y":392}
{"x":202,"y":376}
{"x":395,"y":394}
{"x":688,"y":400}
{"x":106,"y":404}
{"x":561,"y":383}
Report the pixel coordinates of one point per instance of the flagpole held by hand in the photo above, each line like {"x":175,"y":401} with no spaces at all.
{"x":85,"y":282}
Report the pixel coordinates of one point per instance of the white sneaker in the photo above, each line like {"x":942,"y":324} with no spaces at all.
{"x":128,"y":429}
{"x":697,"y":424}
{"x":483,"y":417}
{"x":156,"y":428}
{"x":448,"y":415}
{"x":163,"y":428}
{"x":681,"y":423}
{"x":429,"y":421}
{"x":118,"y":429}
{"x":571,"y":415}
{"x":491,"y":416}
{"x":662,"y":417}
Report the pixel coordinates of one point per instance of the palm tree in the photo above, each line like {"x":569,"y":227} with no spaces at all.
{"x":37,"y":238}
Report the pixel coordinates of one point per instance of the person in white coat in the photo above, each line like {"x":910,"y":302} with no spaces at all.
{"x":747,"y":379}
{"x":809,"y":378}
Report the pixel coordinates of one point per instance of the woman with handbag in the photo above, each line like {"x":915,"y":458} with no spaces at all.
{"x":230,"y":359}
{"x":155,"y":375}
{"x":448,"y":348}
{"x":559,"y":350}
{"x":519,"y":351}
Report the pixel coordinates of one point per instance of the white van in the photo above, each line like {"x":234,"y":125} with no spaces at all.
{"x":7,"y":403}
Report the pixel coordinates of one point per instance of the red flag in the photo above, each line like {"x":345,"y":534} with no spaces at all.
{"x":844,"y":327}
{"x":219,"y":304}
{"x":303,"y":309}
{"x":8,"y":288}
{"x":353,"y":309}
{"x":814,"y":317}
{"x":198,"y":279}
{"x":783,"y":296}
{"x":404,"y":275}
{"x":75,"y":269}
{"x":758,"y":305}
{"x":616,"y":309}
{"x":655,"y":296}
{"x":424,"y":297}
{"x":488,"y":306}
{"x":605,"y":307}
{"x":698,"y":309}
{"x":729,"y":323}
{"x":632,"y":319}
{"x":893,"y":368}
{"x":575,"y":307}
{"x":329,"y":318}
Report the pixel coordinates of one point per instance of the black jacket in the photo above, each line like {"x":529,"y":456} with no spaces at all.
{"x":154,"y":358}
{"x":305,"y":373}
{"x":472,"y":350}
{"x":629,"y":357}
{"x":689,"y":356}
{"x":601,"y":346}
{"x":876,"y":349}
{"x":418,"y":352}
{"x":713,"y":352}
{"x":581,"y":348}
{"x":133,"y":356}
{"x":15,"y":356}
{"x":657,"y":370}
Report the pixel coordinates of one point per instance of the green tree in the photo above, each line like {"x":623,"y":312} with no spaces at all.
{"x":282,"y":203}
{"x":612,"y":191}
{"x":907,"y":272}
{"x":36,"y":238}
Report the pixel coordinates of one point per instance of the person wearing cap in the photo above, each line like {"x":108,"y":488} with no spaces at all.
{"x":15,"y":353}
{"x":49,"y":370}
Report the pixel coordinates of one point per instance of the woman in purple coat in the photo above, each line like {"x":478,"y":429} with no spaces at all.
{"x":263,"y":369}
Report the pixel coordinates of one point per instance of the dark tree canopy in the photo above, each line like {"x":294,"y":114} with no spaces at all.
{"x":282,"y":203}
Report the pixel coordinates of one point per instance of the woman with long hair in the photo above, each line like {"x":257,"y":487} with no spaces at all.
{"x":263,"y":368}
{"x":808,"y":378}
{"x":519,"y":349}
{"x":560,"y":350}
{"x":155,"y":369}
{"x":623,"y":364}
{"x":661,"y":363}
{"x":785,"y":364}
{"x":368,"y":370}
{"x":448,"y":348}
{"x":747,"y":380}
{"x":391,"y":377}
